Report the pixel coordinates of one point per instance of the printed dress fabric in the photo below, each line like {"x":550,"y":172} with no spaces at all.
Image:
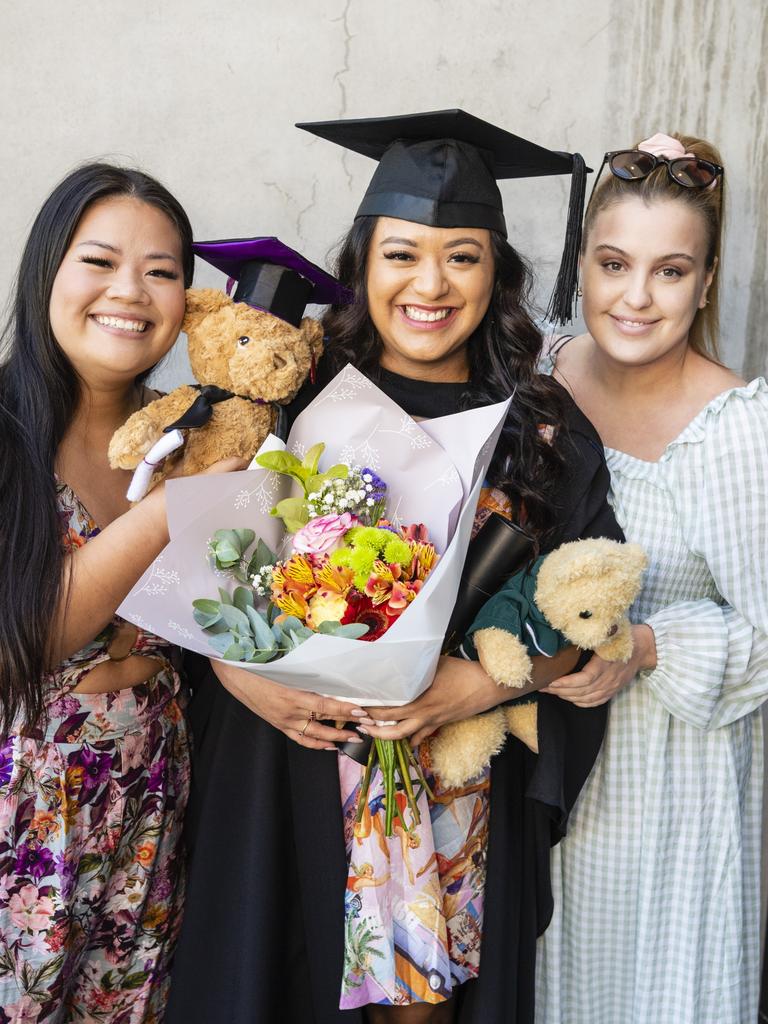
{"x":279,"y":885}
{"x":91,"y":805}
{"x":414,"y":901}
{"x":657,"y":883}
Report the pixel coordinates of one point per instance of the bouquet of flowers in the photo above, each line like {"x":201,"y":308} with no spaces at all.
{"x":222,"y":532}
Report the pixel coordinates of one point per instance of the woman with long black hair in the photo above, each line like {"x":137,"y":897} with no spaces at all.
{"x":93,"y":755}
{"x":441,"y":323}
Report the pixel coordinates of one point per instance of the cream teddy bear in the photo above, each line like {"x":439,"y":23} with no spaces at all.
{"x":578,"y":594}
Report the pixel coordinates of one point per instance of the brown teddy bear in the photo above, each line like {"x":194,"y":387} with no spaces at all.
{"x":248,"y":352}
{"x":578,"y":594}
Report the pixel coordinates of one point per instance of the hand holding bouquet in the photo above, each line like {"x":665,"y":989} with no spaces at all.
{"x":433,"y":473}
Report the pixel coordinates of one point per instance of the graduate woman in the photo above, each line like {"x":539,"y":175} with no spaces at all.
{"x":438,"y":925}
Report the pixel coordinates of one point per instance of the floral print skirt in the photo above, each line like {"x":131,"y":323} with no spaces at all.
{"x":414,"y":901}
{"x":91,"y":885}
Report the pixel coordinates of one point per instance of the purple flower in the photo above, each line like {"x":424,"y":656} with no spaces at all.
{"x":6,"y":763}
{"x":67,"y":876}
{"x":34,"y":861}
{"x":377,"y":485}
{"x":95,"y":768}
{"x":157,"y":776}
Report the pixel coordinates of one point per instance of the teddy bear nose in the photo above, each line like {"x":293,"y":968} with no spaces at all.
{"x":243,"y":339}
{"x":585,"y":615}
{"x":613,"y":630}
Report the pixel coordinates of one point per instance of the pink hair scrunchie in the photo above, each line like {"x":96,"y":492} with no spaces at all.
{"x":664,"y":145}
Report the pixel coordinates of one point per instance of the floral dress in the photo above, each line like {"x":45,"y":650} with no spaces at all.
{"x":414,"y":901}
{"x":91,"y":805}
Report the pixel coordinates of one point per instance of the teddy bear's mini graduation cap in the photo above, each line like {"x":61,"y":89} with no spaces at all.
{"x":272,"y":276}
{"x":440,"y":168}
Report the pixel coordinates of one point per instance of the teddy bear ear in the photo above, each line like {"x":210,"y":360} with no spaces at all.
{"x":199,"y":303}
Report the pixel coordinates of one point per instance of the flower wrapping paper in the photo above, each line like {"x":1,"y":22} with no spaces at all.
{"x":434,"y":471}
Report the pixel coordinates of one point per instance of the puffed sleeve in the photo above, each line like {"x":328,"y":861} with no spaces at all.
{"x":712,"y":655}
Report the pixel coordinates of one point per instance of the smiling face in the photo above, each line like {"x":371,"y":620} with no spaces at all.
{"x":428,"y":289}
{"x":644,"y":276}
{"x":118,"y":297}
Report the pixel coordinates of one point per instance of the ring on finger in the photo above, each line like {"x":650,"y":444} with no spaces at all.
{"x":306,"y":726}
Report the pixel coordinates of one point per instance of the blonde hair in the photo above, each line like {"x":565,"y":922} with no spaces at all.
{"x":709,"y":202}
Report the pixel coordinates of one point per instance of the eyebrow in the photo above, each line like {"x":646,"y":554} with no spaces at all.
{"x":392,"y":240}
{"x":668,"y":256}
{"x":118,"y":252}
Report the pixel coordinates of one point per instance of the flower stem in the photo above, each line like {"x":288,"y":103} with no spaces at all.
{"x":405,"y":775}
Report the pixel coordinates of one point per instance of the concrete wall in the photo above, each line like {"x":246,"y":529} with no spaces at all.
{"x":204,"y":94}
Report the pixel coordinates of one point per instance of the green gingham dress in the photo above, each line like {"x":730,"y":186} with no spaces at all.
{"x":656,"y":885}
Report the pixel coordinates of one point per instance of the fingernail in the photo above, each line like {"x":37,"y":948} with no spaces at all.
{"x":331,"y":748}
{"x":367,"y":721}
{"x":384,"y":723}
{"x":358,"y":713}
{"x":362,"y":730}
{"x":354,"y":739}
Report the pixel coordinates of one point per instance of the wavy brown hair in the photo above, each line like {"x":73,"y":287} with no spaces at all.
{"x":503,"y":356}
{"x":709,"y":204}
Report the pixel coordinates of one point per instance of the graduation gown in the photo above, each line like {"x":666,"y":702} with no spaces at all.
{"x":262,"y":939}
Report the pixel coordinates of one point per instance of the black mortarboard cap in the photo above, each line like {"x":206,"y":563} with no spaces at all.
{"x":440,"y":168}
{"x":272,"y":276}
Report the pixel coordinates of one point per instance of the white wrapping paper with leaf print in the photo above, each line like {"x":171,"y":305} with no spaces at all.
{"x":434,"y":471}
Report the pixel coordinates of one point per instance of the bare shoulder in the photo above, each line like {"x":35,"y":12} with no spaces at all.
{"x":712,"y":379}
{"x":566,"y":354}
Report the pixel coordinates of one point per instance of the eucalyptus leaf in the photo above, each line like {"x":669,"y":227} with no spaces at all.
{"x":246,"y":537}
{"x":263,"y":635}
{"x":351,"y":630}
{"x":234,"y":652}
{"x":206,"y":612}
{"x":221,"y":641}
{"x":290,"y":622}
{"x":262,"y":556}
{"x":224,"y":596}
{"x":236,"y":619}
{"x":243,"y":598}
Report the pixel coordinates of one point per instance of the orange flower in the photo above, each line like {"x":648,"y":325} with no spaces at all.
{"x":44,"y":824}
{"x":145,"y":853}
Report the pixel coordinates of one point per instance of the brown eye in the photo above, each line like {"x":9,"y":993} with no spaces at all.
{"x":585,"y":615}
{"x":243,"y":339}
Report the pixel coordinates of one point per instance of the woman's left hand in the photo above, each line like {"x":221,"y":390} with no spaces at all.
{"x":460,"y":689}
{"x":600,"y":680}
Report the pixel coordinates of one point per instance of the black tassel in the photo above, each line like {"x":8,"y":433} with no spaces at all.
{"x":562,"y":304}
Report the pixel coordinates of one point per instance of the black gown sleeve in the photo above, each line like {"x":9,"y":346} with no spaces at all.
{"x":532,"y":795}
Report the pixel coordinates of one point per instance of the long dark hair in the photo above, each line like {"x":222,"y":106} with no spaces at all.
{"x":39,"y":394}
{"x":503,"y":355}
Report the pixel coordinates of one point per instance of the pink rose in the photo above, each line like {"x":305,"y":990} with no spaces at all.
{"x":322,"y":535}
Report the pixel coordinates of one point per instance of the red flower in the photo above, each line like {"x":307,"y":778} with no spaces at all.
{"x":362,"y":609}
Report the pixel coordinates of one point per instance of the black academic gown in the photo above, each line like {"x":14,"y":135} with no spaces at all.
{"x":262,"y":940}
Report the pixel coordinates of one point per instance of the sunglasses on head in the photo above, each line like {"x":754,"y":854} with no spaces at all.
{"x":636,"y":164}
{"x":688,"y":171}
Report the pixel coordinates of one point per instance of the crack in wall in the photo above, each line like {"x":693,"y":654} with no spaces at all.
{"x":338,"y":79}
{"x":305,"y":210}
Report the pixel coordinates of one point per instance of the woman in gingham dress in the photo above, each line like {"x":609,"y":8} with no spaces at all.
{"x":657,"y":884}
